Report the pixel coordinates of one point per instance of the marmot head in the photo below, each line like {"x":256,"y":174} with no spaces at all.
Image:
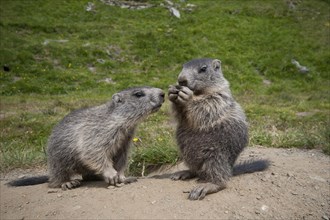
{"x":137,"y":102}
{"x":202,"y":74}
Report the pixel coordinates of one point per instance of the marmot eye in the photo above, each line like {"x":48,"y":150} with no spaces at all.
{"x":203,"y":69}
{"x":139,"y":94}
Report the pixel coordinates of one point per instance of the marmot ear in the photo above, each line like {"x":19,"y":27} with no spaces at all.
{"x":117,"y":98}
{"x":216,"y":64}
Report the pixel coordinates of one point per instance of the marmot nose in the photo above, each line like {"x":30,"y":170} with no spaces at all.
{"x":183,"y":82}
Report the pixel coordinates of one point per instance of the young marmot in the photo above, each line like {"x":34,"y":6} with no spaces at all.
{"x":95,"y":141}
{"x":212,"y":130}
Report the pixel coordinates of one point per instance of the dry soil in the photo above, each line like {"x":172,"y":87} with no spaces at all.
{"x":296,"y":186}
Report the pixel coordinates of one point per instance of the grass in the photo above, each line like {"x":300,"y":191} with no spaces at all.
{"x":59,"y":56}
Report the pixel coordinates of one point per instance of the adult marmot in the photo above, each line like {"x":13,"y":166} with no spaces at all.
{"x":212,"y":130}
{"x":95,"y":141}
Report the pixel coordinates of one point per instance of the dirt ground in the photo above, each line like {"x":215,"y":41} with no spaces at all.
{"x":296,"y":186}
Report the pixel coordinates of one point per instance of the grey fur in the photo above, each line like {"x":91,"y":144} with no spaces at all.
{"x":95,"y":141}
{"x":212,"y":129}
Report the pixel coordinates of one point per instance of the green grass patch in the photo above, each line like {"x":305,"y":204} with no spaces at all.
{"x":55,"y":57}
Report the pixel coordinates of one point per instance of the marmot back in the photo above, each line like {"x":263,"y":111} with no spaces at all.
{"x":212,"y":130}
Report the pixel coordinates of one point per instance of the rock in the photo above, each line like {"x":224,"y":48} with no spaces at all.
{"x":325,"y":217}
{"x":100,"y":61}
{"x":267,"y":82}
{"x":107,"y":81}
{"x":120,"y":185}
{"x":303,"y":114}
{"x":174,"y":12}
{"x":47,"y":41}
{"x":90,"y":6}
{"x":191,"y":5}
{"x":134,"y":5}
{"x":124,"y":6}
{"x":52,"y":191}
{"x":169,"y":2}
{"x":301,"y":69}
{"x":264,"y":208}
{"x":91,"y":68}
